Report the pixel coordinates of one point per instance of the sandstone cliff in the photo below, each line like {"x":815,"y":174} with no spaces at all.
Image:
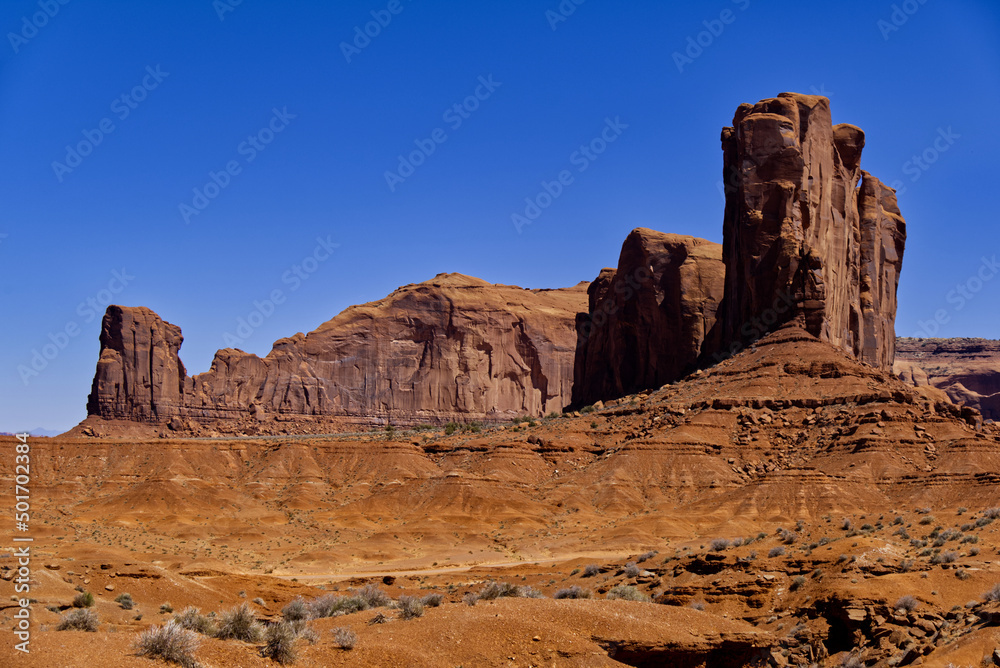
{"x":968,"y":370}
{"x":454,"y":347}
{"x":803,"y":242}
{"x":647,"y":319}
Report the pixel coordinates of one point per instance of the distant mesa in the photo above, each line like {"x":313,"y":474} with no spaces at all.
{"x":453,"y":347}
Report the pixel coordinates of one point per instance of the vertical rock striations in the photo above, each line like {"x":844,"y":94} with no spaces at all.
{"x":803,"y":242}
{"x":648,"y":318}
{"x":454,"y":347}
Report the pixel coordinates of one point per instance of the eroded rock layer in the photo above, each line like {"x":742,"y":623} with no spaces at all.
{"x":452,"y":347}
{"x":967,"y":370}
{"x":803,"y":241}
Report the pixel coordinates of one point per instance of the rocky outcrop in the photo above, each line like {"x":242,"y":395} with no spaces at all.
{"x":647,"y":319}
{"x":968,"y":370}
{"x":139,"y":374}
{"x":803,"y":241}
{"x":454,"y":347}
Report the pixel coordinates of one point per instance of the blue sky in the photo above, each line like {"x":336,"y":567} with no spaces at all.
{"x":300,"y":131}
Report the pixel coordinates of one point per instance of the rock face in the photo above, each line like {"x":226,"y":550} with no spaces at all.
{"x":803,"y":242}
{"x":139,"y":375}
{"x":968,"y":370}
{"x":454,"y":347}
{"x":647,"y":319}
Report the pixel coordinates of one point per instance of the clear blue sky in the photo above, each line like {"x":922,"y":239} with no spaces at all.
{"x":213,"y":83}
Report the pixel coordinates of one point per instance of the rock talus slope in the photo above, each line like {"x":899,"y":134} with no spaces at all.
{"x":451,"y":347}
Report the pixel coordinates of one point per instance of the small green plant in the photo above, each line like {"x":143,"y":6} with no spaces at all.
{"x":166,"y":608}
{"x":83,"y":600}
{"x":125,"y":601}
{"x":450,"y":428}
{"x":586,"y":409}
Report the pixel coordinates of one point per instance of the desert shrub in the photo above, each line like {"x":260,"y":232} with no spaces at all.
{"x":993,"y":595}
{"x":295,"y":610}
{"x":867,"y":527}
{"x":898,"y":519}
{"x":927,"y":519}
{"x":948,"y":557}
{"x":526,"y":591}
{"x":305,"y":632}
{"x":586,"y":409}
{"x":983,"y":521}
{"x":776,"y":552}
{"x":575,"y":591}
{"x":719,"y":544}
{"x":905,"y":565}
{"x":963,"y":574}
{"x":470,"y":599}
{"x":432,"y":600}
{"x":125,"y":601}
{"x":631,"y":570}
{"x":846,"y":524}
{"x":450,"y":428}
{"x":409,"y":607}
{"x":81,"y":619}
{"x":169,"y":642}
{"x":239,"y":623}
{"x":973,"y":551}
{"x":906,"y":603}
{"x":590,"y":570}
{"x":191,"y":619}
{"x":379,"y":618}
{"x":495,"y":590}
{"x":817,"y":573}
{"x":969,"y":539}
{"x":166,"y":608}
{"x":259,"y":601}
{"x":797,"y":582}
{"x":373,"y":596}
{"x":279,"y":643}
{"x":626,"y":593}
{"x":991,"y":513}
{"x":83,"y":600}
{"x":344,"y":638}
{"x":697,"y":605}
{"x":788,"y":537}
{"x":646,"y":556}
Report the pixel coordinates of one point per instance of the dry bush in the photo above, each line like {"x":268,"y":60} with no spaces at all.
{"x":83,"y":600}
{"x":170,"y":643}
{"x":82,"y":619}
{"x":279,"y":643}
{"x":575,"y":591}
{"x":344,"y":638}
{"x":907,"y":603}
{"x":776,"y":552}
{"x":125,"y":601}
{"x":191,"y":619}
{"x":410,"y":607}
{"x":239,"y":623}
{"x":625,"y":592}
{"x":432,"y":600}
{"x":295,"y":610}
{"x":590,"y":570}
{"x":373,"y":596}
{"x":495,"y":590}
